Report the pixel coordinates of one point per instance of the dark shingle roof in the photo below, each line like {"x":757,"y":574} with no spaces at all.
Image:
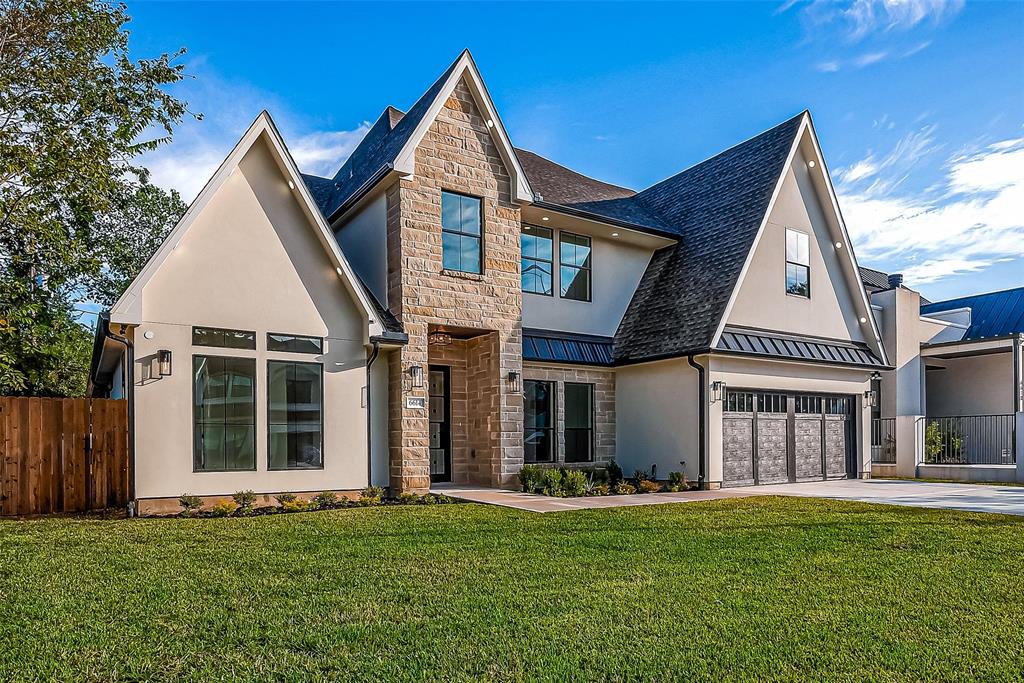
{"x":757,"y":343}
{"x":717,"y":207}
{"x":995,"y":314}
{"x":874,"y":280}
{"x":564,"y":347}
{"x":562,"y":187}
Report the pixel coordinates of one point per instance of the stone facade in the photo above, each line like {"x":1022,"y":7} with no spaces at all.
{"x":604,"y":405}
{"x":456,"y":154}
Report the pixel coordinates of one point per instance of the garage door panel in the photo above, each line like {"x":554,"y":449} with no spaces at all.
{"x":835,"y":446}
{"x":808,"y":446}
{"x":772,"y":437}
{"x":738,"y":449}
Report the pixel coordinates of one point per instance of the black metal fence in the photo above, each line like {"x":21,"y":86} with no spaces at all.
{"x":883,"y":440}
{"x":970,"y":440}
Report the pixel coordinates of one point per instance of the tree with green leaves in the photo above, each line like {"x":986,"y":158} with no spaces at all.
{"x":78,"y":216}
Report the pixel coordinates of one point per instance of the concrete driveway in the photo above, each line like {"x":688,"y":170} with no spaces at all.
{"x":1008,"y":500}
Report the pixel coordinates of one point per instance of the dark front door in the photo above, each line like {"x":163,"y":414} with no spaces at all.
{"x":440,"y":423}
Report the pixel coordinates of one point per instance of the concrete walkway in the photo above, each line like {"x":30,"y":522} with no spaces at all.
{"x":972,"y":497}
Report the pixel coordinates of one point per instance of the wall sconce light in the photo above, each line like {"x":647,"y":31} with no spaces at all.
{"x":416,"y":376}
{"x":514,"y":383}
{"x":718,"y":391}
{"x":163,"y":358}
{"x":439,"y":339}
{"x":871,"y":398}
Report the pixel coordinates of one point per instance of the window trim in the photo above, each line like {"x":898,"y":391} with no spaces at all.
{"x":255,"y":412}
{"x":589,"y":269}
{"x":554,"y":282}
{"x":593,"y":422}
{"x":553,"y":429}
{"x":461,"y":234}
{"x":271,"y":468}
{"x":295,"y":336}
{"x":223,"y":329}
{"x":805,"y":266}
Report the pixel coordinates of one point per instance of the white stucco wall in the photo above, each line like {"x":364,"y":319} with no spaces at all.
{"x":975,"y":385}
{"x":364,"y":241}
{"x":616,"y":271}
{"x":762,"y":301}
{"x":250,"y":260}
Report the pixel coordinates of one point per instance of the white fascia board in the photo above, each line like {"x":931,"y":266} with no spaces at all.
{"x":405,"y":162}
{"x":945,"y":323}
{"x":127,"y":309}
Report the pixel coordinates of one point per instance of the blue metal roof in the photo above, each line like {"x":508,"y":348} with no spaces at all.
{"x":995,"y":314}
{"x":547,"y":346}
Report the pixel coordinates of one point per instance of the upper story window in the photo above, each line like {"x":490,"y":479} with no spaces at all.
{"x":293,"y":343}
{"x":225,"y":339}
{"x":798,"y":264}
{"x":574,"y":266}
{"x":461,"y":241}
{"x":538,"y":270}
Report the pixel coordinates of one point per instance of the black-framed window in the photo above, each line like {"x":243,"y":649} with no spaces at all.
{"x":538,"y":259}
{"x":461,"y":235}
{"x":574,"y":263}
{"x":538,"y":421}
{"x":224,"y":339}
{"x":223,"y":413}
{"x":798,"y":263}
{"x":293,"y":343}
{"x":579,"y":422}
{"x":295,"y":400}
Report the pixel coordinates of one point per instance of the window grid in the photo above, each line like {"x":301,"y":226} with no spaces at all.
{"x":574,"y":261}
{"x":302,"y":444}
{"x":461,"y":233}
{"x":223,"y":414}
{"x":798,"y":264}
{"x":538,"y":260}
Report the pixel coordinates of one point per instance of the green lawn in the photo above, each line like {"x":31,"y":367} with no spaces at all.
{"x":752,"y":588}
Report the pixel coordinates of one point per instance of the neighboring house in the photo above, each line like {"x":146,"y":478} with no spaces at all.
{"x":953,"y":408}
{"x":448,"y":307}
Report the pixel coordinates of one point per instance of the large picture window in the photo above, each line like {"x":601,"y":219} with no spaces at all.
{"x":798,"y":264}
{"x":295,"y":415}
{"x":461,"y":241}
{"x":538,"y":421}
{"x":538,"y":259}
{"x":579,"y":422}
{"x":574,"y":266}
{"x":223,"y":413}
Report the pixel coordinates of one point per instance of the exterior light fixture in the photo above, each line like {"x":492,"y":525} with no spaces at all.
{"x":291,"y":185}
{"x":871,"y":398}
{"x":544,"y":218}
{"x":416,"y":376}
{"x":718,"y":389}
{"x":839,"y":245}
{"x":338,"y":269}
{"x":514,"y":384}
{"x":490,"y":123}
{"x":863,"y":320}
{"x":163,"y":358}
{"x":439,"y":339}
{"x":810,"y":163}
{"x":615,"y":234}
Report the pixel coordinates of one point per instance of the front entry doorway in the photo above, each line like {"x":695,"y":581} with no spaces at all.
{"x":439,"y":390}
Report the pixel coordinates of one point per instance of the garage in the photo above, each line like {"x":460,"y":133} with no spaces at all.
{"x":773,"y":437}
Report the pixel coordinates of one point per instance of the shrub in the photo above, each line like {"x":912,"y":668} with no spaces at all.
{"x":189,"y":503}
{"x":437,"y":498}
{"x":624,"y":488}
{"x":223,"y":508}
{"x":614,"y":472}
{"x":599,"y":490}
{"x":641,"y":475}
{"x":283,"y":498}
{"x":552,"y":482}
{"x":677,"y":481}
{"x":531,"y":477}
{"x":295,"y":505}
{"x":648,"y":486}
{"x":371,"y":495}
{"x":325,"y":500}
{"x":408,"y":498}
{"x":575,"y":483}
{"x":244,"y":499}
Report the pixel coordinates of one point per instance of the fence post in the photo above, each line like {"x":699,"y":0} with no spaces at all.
{"x":1020,"y":447}
{"x":909,"y":444}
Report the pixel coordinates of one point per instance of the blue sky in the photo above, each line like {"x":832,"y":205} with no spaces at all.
{"x":919,"y":104}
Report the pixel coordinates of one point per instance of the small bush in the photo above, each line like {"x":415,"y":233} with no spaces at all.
{"x":370,"y":496}
{"x":614,"y":472}
{"x":283,"y":498}
{"x":648,"y":486}
{"x":641,"y":475}
{"x":436,"y":499}
{"x":599,"y":490}
{"x":531,"y":477}
{"x":325,"y":500}
{"x":677,"y":481}
{"x":575,"y":483}
{"x":552,"y":482}
{"x":295,"y":505}
{"x":244,"y":499}
{"x":223,"y":508}
{"x":624,"y":488}
{"x":598,"y":475}
{"x":408,"y":498}
{"x":189,"y":503}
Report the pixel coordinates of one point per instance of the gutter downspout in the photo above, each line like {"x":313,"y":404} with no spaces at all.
{"x":369,"y":414}
{"x":129,"y":394}
{"x":702,"y":395}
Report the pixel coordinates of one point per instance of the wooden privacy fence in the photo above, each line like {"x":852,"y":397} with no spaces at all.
{"x":62,"y":454}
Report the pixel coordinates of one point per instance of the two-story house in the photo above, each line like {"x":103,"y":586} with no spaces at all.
{"x":448,"y":307}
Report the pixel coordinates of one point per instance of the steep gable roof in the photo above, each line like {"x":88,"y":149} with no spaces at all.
{"x":717,"y":207}
{"x":993,"y":314}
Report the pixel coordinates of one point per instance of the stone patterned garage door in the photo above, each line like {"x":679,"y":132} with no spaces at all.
{"x":771,"y":437}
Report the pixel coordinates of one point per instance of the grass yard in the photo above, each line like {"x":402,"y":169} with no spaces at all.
{"x":752,"y":588}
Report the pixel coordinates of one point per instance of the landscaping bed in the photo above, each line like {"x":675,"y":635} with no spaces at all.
{"x":574,"y":482}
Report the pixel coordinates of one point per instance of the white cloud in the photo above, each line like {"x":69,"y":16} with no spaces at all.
{"x":970,"y":220}
{"x":861,"y":18}
{"x":828,"y":67}
{"x":870,"y":58}
{"x":323,"y":153}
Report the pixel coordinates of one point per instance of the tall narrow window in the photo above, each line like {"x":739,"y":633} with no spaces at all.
{"x":579,"y":422}
{"x":460,"y":233}
{"x":798,"y":264}
{"x":574,"y":266}
{"x":537,"y":260}
{"x":295,"y":415}
{"x":223,"y":413}
{"x":538,"y":421}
